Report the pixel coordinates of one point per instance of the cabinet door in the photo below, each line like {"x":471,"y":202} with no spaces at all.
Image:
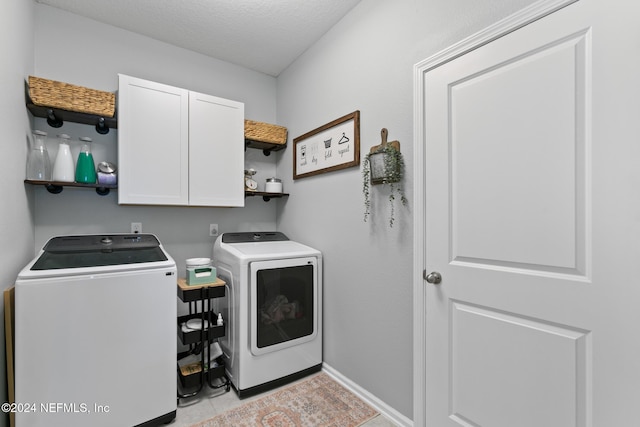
{"x":216,"y":151}
{"x":153,"y":146}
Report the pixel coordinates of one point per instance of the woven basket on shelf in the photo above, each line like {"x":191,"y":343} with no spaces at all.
{"x":50,"y":93}
{"x":265,"y":132}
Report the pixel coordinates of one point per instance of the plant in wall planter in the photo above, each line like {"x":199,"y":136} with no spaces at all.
{"x":384,"y":165}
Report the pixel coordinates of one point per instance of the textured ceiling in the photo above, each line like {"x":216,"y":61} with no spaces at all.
{"x":263,"y":35}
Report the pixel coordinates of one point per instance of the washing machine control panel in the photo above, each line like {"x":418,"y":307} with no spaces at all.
{"x":254,"y":236}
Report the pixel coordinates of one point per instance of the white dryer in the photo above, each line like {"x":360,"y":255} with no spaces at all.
{"x":273,"y":306}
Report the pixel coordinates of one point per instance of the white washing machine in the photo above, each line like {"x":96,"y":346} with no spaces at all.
{"x":95,"y":333}
{"x":273,"y":306}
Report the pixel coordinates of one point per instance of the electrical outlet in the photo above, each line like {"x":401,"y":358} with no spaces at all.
{"x":213,"y":230}
{"x":136,"y":227}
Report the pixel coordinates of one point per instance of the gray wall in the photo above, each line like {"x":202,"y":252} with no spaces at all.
{"x":16,"y":218}
{"x":81,"y":51}
{"x":366,"y":63}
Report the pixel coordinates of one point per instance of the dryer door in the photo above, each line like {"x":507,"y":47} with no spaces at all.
{"x":284,"y":303}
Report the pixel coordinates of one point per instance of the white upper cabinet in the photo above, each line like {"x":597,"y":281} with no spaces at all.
{"x":153,"y":143}
{"x":216,"y":151}
{"x":177,"y":147}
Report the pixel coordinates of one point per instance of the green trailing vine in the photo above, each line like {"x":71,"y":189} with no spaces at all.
{"x":394,"y":173}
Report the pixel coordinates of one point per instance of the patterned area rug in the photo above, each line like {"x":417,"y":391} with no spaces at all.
{"x":314,"y":402}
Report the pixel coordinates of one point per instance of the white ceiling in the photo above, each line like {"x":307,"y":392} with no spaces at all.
{"x":263,"y":35}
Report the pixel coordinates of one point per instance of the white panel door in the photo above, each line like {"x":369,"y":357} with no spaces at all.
{"x":153,"y":143}
{"x":528,"y":156}
{"x":216,"y":151}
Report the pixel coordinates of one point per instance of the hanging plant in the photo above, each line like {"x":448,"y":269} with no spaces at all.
{"x":384,"y":165}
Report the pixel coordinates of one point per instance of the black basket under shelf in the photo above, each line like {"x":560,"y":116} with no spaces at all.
{"x":200,"y":293}
{"x":196,"y":336}
{"x":194,"y":379}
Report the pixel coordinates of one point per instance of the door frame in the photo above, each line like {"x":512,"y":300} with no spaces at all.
{"x":501,"y":28}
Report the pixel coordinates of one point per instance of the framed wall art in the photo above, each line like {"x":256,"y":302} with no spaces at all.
{"x":331,"y":147}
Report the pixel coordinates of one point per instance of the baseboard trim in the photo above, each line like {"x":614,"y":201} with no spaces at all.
{"x":369,"y":398}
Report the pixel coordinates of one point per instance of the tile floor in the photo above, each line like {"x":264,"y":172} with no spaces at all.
{"x":210,"y":402}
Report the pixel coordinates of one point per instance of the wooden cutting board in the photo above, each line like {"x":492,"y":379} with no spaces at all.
{"x":384,"y":133}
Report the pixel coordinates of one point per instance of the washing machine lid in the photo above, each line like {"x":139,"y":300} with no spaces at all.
{"x":83,"y":252}
{"x":251,"y":246}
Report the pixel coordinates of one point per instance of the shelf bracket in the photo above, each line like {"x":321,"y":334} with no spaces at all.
{"x":52,"y":120}
{"x":57,"y":189}
{"x":102,"y":128}
{"x":54,"y":189}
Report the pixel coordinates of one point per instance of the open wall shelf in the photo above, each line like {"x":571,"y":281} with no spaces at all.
{"x":55,"y":187}
{"x":56,"y":117}
{"x":266,"y":147}
{"x":265,"y":196}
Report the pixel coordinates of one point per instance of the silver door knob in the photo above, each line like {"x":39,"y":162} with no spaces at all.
{"x":434,"y":277}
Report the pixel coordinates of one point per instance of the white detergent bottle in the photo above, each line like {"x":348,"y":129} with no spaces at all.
{"x":64,"y":168}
